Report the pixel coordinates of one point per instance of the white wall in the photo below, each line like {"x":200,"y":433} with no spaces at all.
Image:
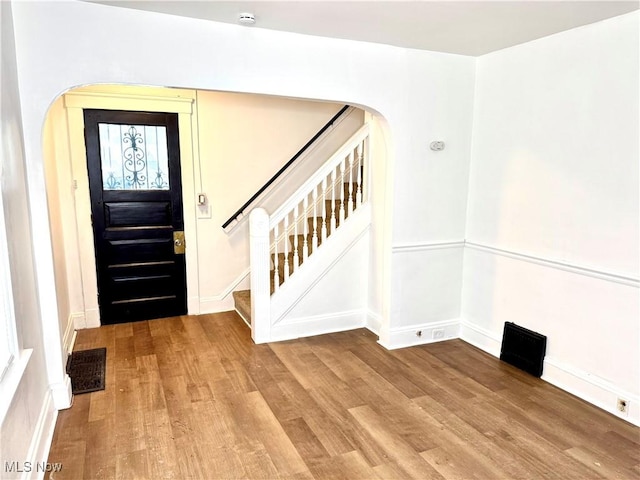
{"x":430,"y":204}
{"x":427,"y":96}
{"x":243,"y":142}
{"x":30,"y":418}
{"x":554,"y":181}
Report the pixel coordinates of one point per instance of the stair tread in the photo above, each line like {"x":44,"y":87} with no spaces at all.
{"x":242,"y":299}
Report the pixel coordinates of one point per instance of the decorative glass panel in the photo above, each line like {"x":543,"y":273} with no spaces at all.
{"x":134,"y":157}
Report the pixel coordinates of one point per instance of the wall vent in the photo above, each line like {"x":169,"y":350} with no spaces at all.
{"x":523,"y":348}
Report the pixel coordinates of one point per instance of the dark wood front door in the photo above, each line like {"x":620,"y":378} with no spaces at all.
{"x":133,"y":160}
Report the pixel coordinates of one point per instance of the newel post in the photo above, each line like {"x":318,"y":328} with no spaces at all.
{"x":260,"y":262}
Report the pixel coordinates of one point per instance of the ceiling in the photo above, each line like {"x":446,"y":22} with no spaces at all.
{"x":462,"y":27}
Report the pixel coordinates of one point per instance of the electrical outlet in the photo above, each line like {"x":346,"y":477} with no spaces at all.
{"x":623,"y":406}
{"x":437,"y":333}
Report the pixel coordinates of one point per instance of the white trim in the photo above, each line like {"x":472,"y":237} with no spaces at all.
{"x":232,"y":287}
{"x":11,"y":381}
{"x":584,"y":385}
{"x":69,"y":337}
{"x":355,"y":228}
{"x":480,"y":338}
{"x":590,"y":388}
{"x":61,"y":393}
{"x":119,"y":101}
{"x":567,"y":267}
{"x":316,"y":178}
{"x":402,"y":337}
{"x":373,"y":322}
{"x":9,"y":349}
{"x":79,"y":320}
{"x":223,"y":302}
{"x":417,"y":247}
{"x":318,"y":325}
{"x":140,"y":99}
{"x":41,"y":440}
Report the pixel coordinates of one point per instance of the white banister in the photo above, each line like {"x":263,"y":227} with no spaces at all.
{"x":305,"y":229}
{"x":341,"y":189}
{"x":314,"y":241}
{"x":341,"y":192}
{"x":260,"y":294}
{"x":285,"y":232}
{"x":324,"y":209}
{"x":276,"y":260}
{"x":296,"y":242}
{"x":358,"y":199}
{"x":350,"y":196}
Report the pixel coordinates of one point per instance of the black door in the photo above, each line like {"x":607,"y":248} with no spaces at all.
{"x":136,"y":204}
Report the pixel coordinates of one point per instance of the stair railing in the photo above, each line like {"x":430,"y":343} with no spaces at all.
{"x":285,"y":167}
{"x":281,"y":242}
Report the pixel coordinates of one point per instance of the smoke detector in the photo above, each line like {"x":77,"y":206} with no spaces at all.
{"x":246,"y":18}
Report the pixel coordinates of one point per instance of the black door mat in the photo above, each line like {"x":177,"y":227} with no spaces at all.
{"x":86,"y":369}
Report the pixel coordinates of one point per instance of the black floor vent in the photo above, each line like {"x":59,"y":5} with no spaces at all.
{"x":523,"y":348}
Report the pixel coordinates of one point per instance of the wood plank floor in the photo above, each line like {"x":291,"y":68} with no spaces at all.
{"x":194,"y":398}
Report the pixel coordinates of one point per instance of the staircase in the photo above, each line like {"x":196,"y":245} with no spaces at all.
{"x":242,"y":298}
{"x":296,"y":233}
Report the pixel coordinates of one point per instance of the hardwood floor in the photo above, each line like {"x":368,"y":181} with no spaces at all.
{"x":193,"y":397}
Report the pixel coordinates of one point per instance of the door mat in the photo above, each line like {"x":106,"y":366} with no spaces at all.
{"x":87,"y":369}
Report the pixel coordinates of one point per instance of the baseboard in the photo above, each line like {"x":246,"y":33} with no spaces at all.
{"x":318,"y":325}
{"x":373,"y":322}
{"x":480,"y":338}
{"x":61,"y":393}
{"x":420,"y":334}
{"x":223,"y":302}
{"x":78,"y":320}
{"x":591,"y":388}
{"x":583,"y":385}
{"x":69,"y":336}
{"x":193,"y":305}
{"x":212,"y":305}
{"x":41,"y":441}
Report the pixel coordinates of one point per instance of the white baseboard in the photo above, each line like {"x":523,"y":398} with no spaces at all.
{"x":420,"y":334}
{"x":223,"y":302}
{"x":373,"y":322}
{"x":318,"y":325}
{"x":41,"y":440}
{"x":78,"y":320}
{"x":69,"y":337}
{"x":61,"y":393}
{"x":480,"y":338}
{"x":213,"y":305}
{"x":591,"y":388}
{"x":193,"y":305}
{"x":583,"y":385}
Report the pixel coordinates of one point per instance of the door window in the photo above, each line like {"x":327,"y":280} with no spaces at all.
{"x":134,"y":157}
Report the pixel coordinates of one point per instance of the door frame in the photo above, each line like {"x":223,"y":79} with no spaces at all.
{"x":142,"y":99}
